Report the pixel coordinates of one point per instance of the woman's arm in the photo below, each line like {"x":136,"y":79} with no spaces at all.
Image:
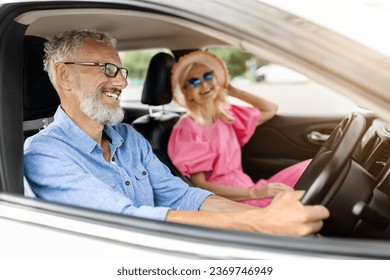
{"x":237,"y":194}
{"x":267,"y":108}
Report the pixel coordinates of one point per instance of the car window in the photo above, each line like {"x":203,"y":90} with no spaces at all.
{"x":136,"y":62}
{"x":295,"y":93}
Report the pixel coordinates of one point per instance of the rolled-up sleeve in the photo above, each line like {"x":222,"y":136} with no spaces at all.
{"x":245,"y":122}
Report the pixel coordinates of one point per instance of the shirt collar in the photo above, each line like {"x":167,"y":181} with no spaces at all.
{"x":84,"y":141}
{"x":114,"y":137}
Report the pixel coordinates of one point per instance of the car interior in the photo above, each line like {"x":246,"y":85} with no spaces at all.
{"x":350,"y":172}
{"x":156,"y":127}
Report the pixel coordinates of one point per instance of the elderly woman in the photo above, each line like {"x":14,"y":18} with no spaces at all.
{"x":205,"y":145}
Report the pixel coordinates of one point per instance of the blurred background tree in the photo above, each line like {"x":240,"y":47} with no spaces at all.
{"x":236,"y":60}
{"x":137,"y":62}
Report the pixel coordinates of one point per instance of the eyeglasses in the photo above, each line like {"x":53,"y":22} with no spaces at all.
{"x":110,"y":70}
{"x":207,"y":77}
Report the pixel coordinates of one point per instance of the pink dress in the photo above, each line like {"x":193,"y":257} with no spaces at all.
{"x":215,"y":150}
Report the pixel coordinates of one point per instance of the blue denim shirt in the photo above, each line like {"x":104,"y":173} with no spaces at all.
{"x":65,"y":165}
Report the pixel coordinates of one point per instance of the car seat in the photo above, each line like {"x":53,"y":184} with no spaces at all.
{"x":156,"y":127}
{"x":40,"y":99}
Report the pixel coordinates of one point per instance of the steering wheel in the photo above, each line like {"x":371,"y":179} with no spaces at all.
{"x":326,"y":172}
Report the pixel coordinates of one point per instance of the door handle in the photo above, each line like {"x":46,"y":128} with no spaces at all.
{"x":317,"y":137}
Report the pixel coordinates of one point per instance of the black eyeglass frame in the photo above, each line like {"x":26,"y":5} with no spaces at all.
{"x":123,"y":70}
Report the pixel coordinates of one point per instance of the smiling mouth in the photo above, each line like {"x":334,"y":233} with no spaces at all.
{"x":112,"y":95}
{"x":207,"y":91}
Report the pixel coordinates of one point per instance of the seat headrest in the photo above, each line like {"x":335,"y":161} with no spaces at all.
{"x":40,"y":99}
{"x":157,"y":86}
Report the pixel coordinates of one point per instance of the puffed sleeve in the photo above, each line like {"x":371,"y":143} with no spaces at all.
{"x":190,"y":151}
{"x":245,"y":122}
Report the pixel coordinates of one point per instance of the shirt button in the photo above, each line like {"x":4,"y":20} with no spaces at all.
{"x":144,"y":173}
{"x":127,"y":183}
{"x":112,"y":159}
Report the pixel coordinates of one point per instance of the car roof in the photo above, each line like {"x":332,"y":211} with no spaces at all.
{"x":132,"y":29}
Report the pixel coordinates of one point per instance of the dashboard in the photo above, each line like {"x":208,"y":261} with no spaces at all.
{"x":372,"y":174}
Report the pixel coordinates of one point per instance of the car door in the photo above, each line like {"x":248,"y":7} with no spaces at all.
{"x":284,"y":141}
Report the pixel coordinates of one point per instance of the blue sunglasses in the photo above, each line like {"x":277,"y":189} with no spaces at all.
{"x":195,"y":82}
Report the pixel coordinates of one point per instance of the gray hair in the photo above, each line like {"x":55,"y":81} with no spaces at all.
{"x":65,"y":46}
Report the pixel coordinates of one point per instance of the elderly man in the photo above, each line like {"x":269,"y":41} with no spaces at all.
{"x":88,"y":158}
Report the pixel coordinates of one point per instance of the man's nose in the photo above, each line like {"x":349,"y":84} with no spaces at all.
{"x":120,"y":80}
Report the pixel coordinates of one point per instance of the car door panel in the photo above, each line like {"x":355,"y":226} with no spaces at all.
{"x":284,"y":141}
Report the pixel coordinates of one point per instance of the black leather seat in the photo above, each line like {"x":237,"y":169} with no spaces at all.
{"x":157,"y":127}
{"x":40,"y":99}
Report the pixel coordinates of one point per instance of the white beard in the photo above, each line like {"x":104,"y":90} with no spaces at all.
{"x":95,"y":109}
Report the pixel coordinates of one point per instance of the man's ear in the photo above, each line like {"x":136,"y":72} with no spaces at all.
{"x":62,"y":76}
